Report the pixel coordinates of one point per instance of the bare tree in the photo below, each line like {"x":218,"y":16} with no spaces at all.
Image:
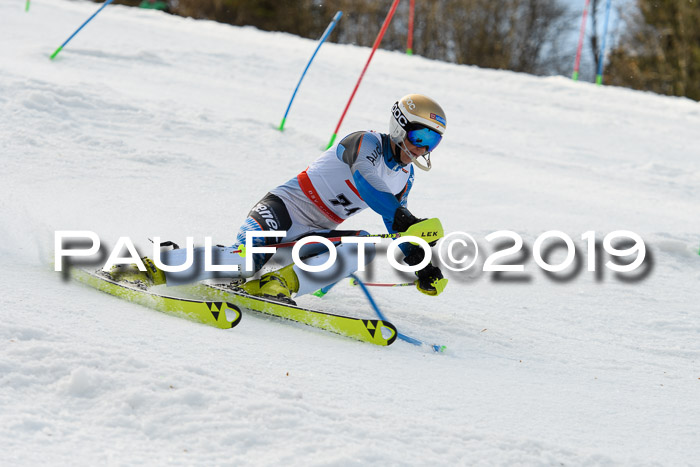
{"x":520,"y":35}
{"x":660,"y":50}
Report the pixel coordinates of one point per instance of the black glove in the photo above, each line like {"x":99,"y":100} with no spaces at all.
{"x":430,"y":279}
{"x":403,"y":219}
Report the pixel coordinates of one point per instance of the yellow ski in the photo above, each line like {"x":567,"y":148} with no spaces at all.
{"x":374,"y":331}
{"x":219,"y":314}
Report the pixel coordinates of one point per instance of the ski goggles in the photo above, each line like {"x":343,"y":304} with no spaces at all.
{"x":424,"y":137}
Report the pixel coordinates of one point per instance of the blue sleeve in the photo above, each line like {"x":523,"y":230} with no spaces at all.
{"x":402,"y":199}
{"x":406,"y":248}
{"x":381,"y":202}
{"x":385,"y":203}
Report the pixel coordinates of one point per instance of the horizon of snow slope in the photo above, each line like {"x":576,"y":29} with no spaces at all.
{"x":154,"y":125}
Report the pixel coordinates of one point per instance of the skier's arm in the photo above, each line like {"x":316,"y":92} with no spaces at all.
{"x":430,"y":279}
{"x":373,"y":190}
{"x":390,"y":222}
{"x":363,"y":154}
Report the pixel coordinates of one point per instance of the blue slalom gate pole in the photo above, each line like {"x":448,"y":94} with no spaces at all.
{"x":601,"y":58}
{"x":325,"y":35}
{"x":403,"y":337}
{"x":81,"y":27}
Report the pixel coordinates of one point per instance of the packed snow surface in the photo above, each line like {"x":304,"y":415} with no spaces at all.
{"x":154,"y":125}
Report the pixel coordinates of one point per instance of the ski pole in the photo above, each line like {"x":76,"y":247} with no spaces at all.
{"x":325,"y":35}
{"x":78,"y":30}
{"x":324,"y":290}
{"x":374,"y":284}
{"x":331,"y":239}
{"x":403,"y":337}
{"x":429,"y":230}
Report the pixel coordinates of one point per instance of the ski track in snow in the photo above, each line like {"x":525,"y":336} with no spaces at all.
{"x":169,"y":130}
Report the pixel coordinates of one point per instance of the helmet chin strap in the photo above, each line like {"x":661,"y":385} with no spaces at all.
{"x":426,"y":167}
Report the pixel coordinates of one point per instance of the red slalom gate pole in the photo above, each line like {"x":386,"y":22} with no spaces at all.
{"x":581,"y":36}
{"x":409,"y":42}
{"x":377,"y":41}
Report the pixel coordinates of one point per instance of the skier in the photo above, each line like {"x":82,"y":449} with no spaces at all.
{"x":365,"y":169}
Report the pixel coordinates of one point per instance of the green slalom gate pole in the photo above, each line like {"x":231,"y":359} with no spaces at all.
{"x":26,"y":5}
{"x":53,"y":55}
{"x":325,"y":35}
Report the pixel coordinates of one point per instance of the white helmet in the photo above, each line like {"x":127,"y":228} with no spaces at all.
{"x":419,"y":119}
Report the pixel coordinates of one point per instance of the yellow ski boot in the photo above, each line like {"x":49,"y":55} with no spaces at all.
{"x":278,"y":285}
{"x":131,"y":273}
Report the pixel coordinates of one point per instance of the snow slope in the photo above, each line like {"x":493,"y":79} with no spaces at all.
{"x":153,"y":125}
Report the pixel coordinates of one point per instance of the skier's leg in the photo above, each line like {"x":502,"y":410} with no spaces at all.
{"x":346,"y":263}
{"x":293,"y":279}
{"x":269,"y":213}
